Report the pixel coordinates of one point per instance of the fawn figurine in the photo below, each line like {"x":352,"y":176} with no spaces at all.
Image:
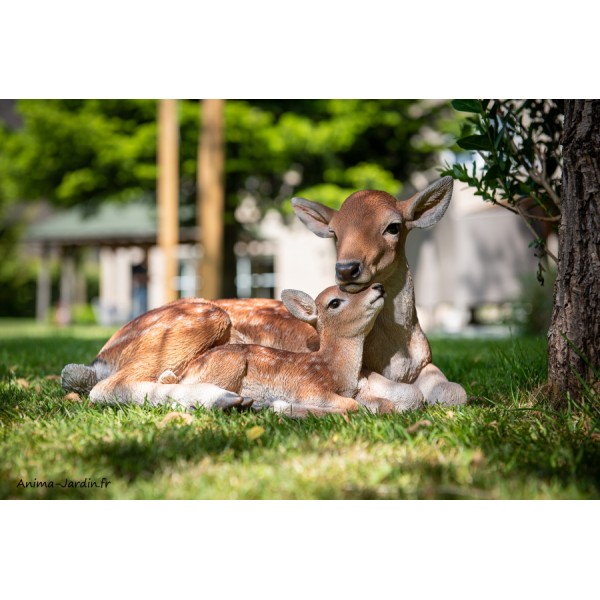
{"x":295,"y":383}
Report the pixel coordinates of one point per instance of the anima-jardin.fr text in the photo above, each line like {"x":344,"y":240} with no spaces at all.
{"x":67,"y":483}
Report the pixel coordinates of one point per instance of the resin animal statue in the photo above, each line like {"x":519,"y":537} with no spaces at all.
{"x":370,"y":231}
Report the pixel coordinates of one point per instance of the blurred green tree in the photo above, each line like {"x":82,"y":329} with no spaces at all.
{"x":87,"y":151}
{"x":80,"y":151}
{"x":326,"y":149}
{"x":84,"y":152}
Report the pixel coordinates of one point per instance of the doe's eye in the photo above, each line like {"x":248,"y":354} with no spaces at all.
{"x":334,"y":303}
{"x":393,"y":228}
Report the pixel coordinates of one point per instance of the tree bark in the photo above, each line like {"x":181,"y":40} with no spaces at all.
{"x":574,"y":336}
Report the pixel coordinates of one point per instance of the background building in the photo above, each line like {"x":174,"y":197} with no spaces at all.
{"x":476,"y":256}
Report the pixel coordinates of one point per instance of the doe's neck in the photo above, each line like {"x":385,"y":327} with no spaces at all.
{"x":399,"y":307}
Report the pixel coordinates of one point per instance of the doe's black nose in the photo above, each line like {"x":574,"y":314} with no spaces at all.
{"x":348,"y":271}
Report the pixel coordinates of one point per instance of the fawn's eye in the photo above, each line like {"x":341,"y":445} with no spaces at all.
{"x":393,"y":229}
{"x":334,"y":303}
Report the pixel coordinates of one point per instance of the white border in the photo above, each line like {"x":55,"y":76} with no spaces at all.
{"x":271,"y":549}
{"x":312,"y":49}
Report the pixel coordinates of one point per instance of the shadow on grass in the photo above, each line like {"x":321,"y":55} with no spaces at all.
{"x":131,"y":458}
{"x":40,"y":356}
{"x":516,"y":454}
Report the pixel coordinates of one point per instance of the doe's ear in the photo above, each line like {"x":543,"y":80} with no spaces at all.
{"x":314,"y":215}
{"x":426,"y":208}
{"x":301,"y":305}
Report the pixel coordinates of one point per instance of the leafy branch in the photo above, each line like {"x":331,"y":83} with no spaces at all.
{"x":519,"y":144}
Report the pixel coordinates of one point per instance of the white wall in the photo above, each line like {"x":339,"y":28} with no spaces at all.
{"x":477,"y":254}
{"x":115,"y":284}
{"x":303,"y":261}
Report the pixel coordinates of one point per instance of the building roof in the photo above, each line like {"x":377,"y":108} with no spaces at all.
{"x":111,"y":224}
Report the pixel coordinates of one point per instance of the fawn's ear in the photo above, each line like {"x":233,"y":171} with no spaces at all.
{"x":314,"y":215}
{"x":427,"y":207}
{"x":301,"y":305}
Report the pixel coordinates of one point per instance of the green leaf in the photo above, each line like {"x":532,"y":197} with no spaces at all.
{"x":472,"y":106}
{"x":457,"y":171}
{"x":499,"y":137}
{"x":475,"y":142}
{"x":492,"y":174}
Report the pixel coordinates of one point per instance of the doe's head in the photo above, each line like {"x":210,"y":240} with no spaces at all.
{"x":370,"y":230}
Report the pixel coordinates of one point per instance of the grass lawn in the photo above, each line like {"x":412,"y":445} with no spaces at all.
{"x":504,"y":444}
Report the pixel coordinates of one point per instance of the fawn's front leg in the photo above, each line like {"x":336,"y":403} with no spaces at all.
{"x":329,"y":404}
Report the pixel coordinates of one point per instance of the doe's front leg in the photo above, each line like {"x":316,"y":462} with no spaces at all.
{"x":436,"y":387}
{"x":373,"y":388}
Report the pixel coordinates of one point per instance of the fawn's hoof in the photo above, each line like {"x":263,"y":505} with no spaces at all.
{"x":246,"y":402}
{"x":228,"y":400}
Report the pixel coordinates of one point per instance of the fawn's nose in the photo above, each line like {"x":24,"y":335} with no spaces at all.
{"x":348,"y":271}
{"x":379,"y":287}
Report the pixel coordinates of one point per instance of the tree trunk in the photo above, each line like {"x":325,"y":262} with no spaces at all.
{"x":574,"y":336}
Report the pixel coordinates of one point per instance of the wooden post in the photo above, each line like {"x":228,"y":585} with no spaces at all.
{"x":211,"y":198}
{"x":80,"y":291}
{"x":168,"y":193}
{"x":64,"y":315}
{"x":44,"y":286}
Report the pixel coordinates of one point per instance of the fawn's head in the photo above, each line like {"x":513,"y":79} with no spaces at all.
{"x":335,"y":312}
{"x":370,"y":230}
